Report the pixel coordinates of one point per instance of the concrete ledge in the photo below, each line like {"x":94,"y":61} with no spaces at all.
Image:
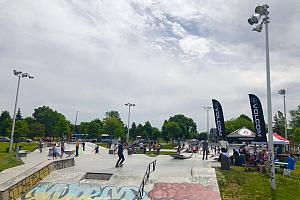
{"x":24,"y":182}
{"x":22,"y":153}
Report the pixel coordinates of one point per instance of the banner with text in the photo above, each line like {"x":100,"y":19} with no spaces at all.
{"x":258,"y":118}
{"x":219,"y":118}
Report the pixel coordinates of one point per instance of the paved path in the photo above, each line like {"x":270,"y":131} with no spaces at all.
{"x":173,"y":179}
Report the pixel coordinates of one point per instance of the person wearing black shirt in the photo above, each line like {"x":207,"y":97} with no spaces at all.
{"x":204,"y":149}
{"x":120,"y":155}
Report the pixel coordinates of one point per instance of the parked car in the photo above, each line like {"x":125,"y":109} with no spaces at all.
{"x":4,"y":139}
{"x":28,"y":140}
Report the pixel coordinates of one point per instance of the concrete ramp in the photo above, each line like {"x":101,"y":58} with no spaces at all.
{"x":199,"y":184}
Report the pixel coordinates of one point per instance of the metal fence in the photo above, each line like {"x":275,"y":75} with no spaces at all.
{"x":151,"y":167}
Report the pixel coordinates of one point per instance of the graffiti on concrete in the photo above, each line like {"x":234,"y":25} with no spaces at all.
{"x":24,"y":186}
{"x":62,"y":191}
{"x":64,"y":176}
{"x":19,"y":177}
{"x":204,"y":180}
{"x":176,"y":191}
{"x":127,"y":178}
{"x":61,"y":164}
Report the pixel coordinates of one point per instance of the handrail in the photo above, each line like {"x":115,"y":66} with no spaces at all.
{"x":145,"y":179}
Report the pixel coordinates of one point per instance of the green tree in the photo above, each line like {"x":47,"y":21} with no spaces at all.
{"x":36,"y":129}
{"x":29,"y":120}
{"x":149,"y":130}
{"x":94,"y":129}
{"x":56,"y":124}
{"x":203,"y":136}
{"x":296,"y":135}
{"x":187,"y":125}
{"x":295,"y":118}
{"x":164,"y":132}
{"x":19,"y":115}
{"x":173,"y":130}
{"x":112,"y":114}
{"x":156,"y":134}
{"x":113,"y":127}
{"x":21,"y":130}
{"x":133,"y":132}
{"x":84,"y":129}
{"x":279,"y":126}
{"x":61,"y":126}
{"x":237,"y":123}
{"x":45,"y":115}
{"x":5,"y":123}
{"x":141,"y":132}
{"x":98,"y":121}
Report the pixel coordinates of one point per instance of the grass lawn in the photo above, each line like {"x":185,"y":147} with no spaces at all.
{"x":8,"y":160}
{"x":236,"y":184}
{"x":167,"y":146}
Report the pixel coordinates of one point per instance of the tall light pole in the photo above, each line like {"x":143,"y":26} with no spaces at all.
{"x":207,"y":108}
{"x":262,"y":11}
{"x":74,"y":131}
{"x":129,"y":105}
{"x":283,"y":92}
{"x":20,"y":75}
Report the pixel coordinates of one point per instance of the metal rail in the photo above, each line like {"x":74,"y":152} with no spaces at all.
{"x":145,"y":179}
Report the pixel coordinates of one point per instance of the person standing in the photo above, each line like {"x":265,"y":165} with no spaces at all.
{"x":83,"y":146}
{"x":97,"y":149}
{"x":62,"y":148}
{"x":77,"y":147}
{"x":158,"y":148}
{"x":54,"y":151}
{"x":120,"y":155}
{"x":205,"y":149}
{"x":41,"y":146}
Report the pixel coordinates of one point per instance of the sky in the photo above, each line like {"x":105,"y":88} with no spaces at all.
{"x":167,"y":57}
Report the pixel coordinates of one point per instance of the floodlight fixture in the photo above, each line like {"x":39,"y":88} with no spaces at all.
{"x":262,"y":9}
{"x":24,"y":75}
{"x":281,"y":92}
{"x":17,"y":72}
{"x":258,"y":27}
{"x":254,"y":19}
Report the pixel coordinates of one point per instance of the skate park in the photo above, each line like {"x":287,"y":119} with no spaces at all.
{"x":94,"y":176}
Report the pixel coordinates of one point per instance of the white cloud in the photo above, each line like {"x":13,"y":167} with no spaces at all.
{"x":168,"y":57}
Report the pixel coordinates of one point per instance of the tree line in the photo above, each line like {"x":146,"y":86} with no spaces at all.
{"x":49,"y":123}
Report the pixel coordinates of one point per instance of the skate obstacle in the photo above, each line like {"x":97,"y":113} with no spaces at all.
{"x":24,"y":182}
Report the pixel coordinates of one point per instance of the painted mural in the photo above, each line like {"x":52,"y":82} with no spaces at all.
{"x":178,"y":191}
{"x":62,"y":191}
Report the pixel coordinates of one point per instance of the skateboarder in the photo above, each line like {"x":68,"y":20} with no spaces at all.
{"x":120,"y":155}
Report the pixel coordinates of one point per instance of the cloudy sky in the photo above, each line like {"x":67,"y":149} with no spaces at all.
{"x":167,"y":57}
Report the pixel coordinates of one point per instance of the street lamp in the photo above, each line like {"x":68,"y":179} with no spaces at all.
{"x":20,"y":75}
{"x":207,"y":108}
{"x":74,"y":130}
{"x":262,"y":12}
{"x":129,"y":105}
{"x":283,"y":92}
